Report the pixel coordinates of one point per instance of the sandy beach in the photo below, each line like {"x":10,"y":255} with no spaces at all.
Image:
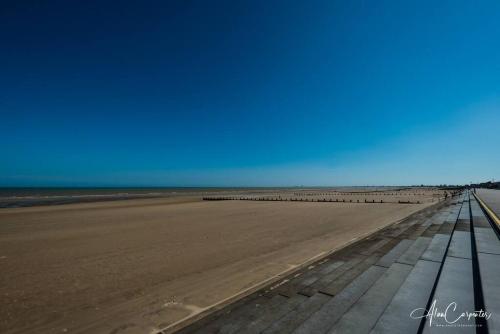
{"x":133,"y":266}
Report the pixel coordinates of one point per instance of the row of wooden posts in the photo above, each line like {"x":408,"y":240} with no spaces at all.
{"x":279,"y":199}
{"x":379,"y":194}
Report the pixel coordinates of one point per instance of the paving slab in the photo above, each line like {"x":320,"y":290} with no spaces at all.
{"x":489,"y":266}
{"x":396,"y":231}
{"x":429,"y":221}
{"x":322,"y":320}
{"x":363,"y":315}
{"x":347,"y":277}
{"x":431,"y":230}
{"x":308,"y":289}
{"x":455,"y":285}
{"x":235,"y":313}
{"x":413,"y":253}
{"x":464,"y":213}
{"x":460,"y":245}
{"x":387,"y":247}
{"x":463,"y":225}
{"x":251,"y":313}
{"x":230,"y":321}
{"x":481,"y":221}
{"x":296,"y":317}
{"x":413,"y":294}
{"x":212,"y":322}
{"x":419,"y":231}
{"x":452,"y":219}
{"x":388,"y":259}
{"x":308,"y":277}
{"x":437,"y":248}
{"x":413,"y":232}
{"x":486,"y":240}
{"x":446,"y":229}
{"x":453,"y":216}
{"x":271,"y":314}
{"x":477,"y":212}
{"x":329,"y":278}
{"x":475,"y":209}
{"x":372,"y":248}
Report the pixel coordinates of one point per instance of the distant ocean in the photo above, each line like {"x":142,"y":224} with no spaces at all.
{"x":77,"y":191}
{"x":21,"y":197}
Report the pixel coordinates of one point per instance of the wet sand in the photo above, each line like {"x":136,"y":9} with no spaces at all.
{"x":137,"y":265}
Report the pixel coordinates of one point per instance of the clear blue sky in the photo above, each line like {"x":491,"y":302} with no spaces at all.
{"x":249,"y":93}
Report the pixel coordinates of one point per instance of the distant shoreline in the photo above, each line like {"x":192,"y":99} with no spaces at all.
{"x":43,"y":196}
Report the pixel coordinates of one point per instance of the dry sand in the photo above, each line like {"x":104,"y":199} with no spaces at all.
{"x":133,"y":266}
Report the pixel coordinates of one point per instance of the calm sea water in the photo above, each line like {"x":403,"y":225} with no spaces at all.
{"x":44,"y":192}
{"x":22,"y":197}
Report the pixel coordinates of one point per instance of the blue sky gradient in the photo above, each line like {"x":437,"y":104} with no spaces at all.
{"x":249,"y":93}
